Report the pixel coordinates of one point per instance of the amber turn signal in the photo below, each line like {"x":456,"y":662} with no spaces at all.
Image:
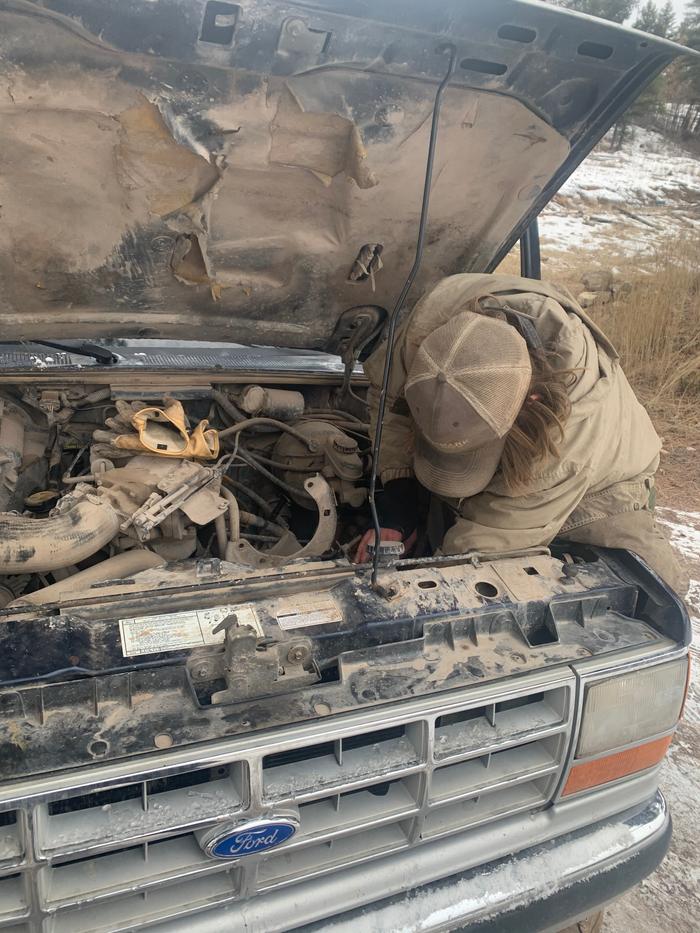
{"x":612,"y":767}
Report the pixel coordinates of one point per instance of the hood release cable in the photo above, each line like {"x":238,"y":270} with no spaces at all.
{"x":451,"y":50}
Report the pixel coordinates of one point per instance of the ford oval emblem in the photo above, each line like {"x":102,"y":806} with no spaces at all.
{"x":234,"y":841}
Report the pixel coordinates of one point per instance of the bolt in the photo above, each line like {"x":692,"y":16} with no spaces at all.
{"x":295,"y":27}
{"x":161,"y":244}
{"x":296,"y":654}
{"x":202,"y":673}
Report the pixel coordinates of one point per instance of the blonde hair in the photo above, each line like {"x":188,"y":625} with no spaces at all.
{"x":539,"y":426}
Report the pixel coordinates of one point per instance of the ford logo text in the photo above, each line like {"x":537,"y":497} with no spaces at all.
{"x":249,"y":838}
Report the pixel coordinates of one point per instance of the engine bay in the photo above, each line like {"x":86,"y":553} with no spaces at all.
{"x":97,"y":484}
{"x":176,"y":564}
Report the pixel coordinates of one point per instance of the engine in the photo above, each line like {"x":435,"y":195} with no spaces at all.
{"x":98,"y":486}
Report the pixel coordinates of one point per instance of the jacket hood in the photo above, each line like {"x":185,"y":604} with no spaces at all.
{"x":252,"y":171}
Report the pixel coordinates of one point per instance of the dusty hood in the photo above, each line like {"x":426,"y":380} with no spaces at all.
{"x":231,"y":171}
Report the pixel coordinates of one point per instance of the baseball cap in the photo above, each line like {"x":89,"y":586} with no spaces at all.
{"x":465,"y":387}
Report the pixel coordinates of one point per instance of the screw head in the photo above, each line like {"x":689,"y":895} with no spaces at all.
{"x":295,"y":27}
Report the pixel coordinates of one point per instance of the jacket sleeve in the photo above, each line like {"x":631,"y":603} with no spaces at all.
{"x":491,"y":522}
{"x":396,"y":454}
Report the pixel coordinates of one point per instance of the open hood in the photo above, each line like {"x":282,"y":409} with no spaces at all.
{"x":252,"y":171}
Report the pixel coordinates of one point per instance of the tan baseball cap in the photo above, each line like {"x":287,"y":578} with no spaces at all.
{"x":465,"y":387}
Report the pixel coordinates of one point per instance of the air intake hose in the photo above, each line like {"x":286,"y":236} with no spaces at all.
{"x":38,"y":545}
{"x":78,"y":584}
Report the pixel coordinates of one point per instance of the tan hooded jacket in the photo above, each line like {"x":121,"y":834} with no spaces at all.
{"x":610,"y":450}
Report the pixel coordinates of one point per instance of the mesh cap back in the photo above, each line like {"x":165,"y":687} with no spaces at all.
{"x":465,"y":388}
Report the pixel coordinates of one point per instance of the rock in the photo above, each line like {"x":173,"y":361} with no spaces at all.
{"x":621,"y":288}
{"x":598,"y":280}
{"x":587,"y":299}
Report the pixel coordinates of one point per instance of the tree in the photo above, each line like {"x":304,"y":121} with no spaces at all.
{"x":667,"y":21}
{"x":691,"y":31}
{"x":658,"y":20}
{"x":616,"y":10}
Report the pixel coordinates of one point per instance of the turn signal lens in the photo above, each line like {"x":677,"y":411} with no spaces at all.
{"x":613,"y":767}
{"x":632,"y":707}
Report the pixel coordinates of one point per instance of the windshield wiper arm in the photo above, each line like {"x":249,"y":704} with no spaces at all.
{"x":102,"y":355}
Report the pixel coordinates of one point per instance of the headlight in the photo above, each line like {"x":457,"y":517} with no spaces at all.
{"x":623,"y":711}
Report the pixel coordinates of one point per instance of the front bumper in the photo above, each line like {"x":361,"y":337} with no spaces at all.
{"x":542,"y":888}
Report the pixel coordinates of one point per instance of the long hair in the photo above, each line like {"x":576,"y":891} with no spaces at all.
{"x":539,"y":426}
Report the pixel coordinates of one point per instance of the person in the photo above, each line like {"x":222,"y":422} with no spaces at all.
{"x":508,"y":405}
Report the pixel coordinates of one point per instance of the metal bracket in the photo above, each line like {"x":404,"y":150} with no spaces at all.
{"x":297,"y":38}
{"x":158,"y":507}
{"x":253,"y":667}
{"x":322,"y":540}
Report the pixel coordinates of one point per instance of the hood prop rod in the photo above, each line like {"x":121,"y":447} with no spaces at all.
{"x":451,"y":50}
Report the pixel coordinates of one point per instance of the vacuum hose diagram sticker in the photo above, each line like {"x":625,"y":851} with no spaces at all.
{"x":307,"y":609}
{"x":175,"y":631}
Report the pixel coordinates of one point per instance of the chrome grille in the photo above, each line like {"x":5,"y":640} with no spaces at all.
{"x":124,"y":855}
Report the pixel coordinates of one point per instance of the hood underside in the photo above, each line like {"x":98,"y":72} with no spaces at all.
{"x":233,"y":171}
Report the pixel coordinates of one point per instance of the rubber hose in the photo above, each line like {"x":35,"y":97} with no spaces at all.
{"x":234,"y":516}
{"x":234,"y":413}
{"x":308,"y":442}
{"x":37,"y":545}
{"x":251,"y":494}
{"x":114,"y":568}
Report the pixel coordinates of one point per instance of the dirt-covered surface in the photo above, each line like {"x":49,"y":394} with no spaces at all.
{"x":670,"y":898}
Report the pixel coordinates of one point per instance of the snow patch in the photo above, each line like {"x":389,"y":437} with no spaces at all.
{"x":517,"y":880}
{"x":628,"y":201}
{"x":647,"y":170}
{"x":684,"y":529}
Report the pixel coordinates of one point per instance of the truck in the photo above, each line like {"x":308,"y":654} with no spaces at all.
{"x":211,"y":718}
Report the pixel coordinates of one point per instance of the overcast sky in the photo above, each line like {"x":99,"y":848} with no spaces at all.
{"x":679,"y":6}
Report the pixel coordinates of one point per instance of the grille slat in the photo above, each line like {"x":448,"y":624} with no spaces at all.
{"x":123,"y":914}
{"x":321,"y":858}
{"x":356,"y":808}
{"x":121,"y":824}
{"x":13,"y":905}
{"x":11,"y":847}
{"x":486,"y":729}
{"x":87,"y":881}
{"x":511,"y":766}
{"x":344,"y":763}
{"x":446,"y":820}
{"x":126,"y":856}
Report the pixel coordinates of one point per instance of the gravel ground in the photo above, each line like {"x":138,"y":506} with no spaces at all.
{"x":670,"y":898}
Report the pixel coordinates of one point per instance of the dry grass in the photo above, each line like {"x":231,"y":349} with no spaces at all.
{"x":656,"y":329}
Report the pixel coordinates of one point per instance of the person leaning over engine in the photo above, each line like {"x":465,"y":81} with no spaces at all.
{"x":510,"y":406}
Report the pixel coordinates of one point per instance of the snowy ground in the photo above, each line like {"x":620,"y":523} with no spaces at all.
{"x":625,"y":203}
{"x":670,"y":898}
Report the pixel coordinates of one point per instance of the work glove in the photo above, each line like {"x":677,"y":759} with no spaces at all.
{"x":397,"y":505}
{"x":364,"y":548}
{"x":162,"y":431}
